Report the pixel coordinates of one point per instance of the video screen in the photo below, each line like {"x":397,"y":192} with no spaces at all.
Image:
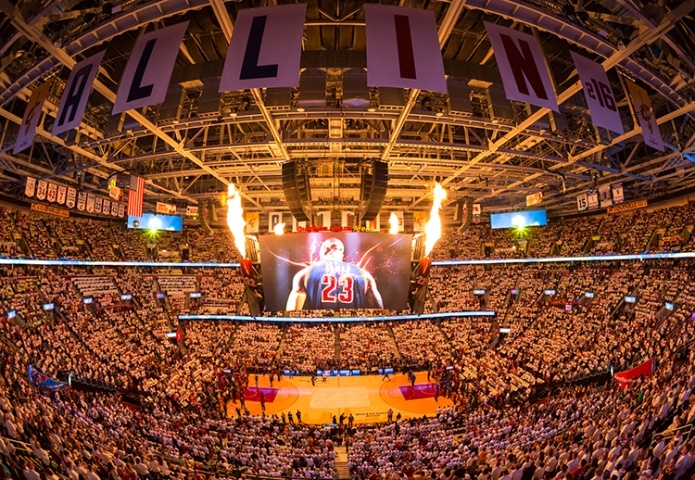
{"x":326,"y":270}
{"x":530,"y":218}
{"x":149,"y":221}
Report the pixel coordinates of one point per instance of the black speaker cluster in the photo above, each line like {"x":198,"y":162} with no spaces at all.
{"x":373,"y":190}
{"x":295,"y":184}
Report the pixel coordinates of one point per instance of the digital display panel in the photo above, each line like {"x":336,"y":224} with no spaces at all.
{"x":668,"y":306}
{"x":478,"y":292}
{"x":630,"y":299}
{"x":11,"y":314}
{"x":194,"y":295}
{"x":329,"y":270}
{"x":149,"y":221}
{"x":48,"y":306}
{"x":589,"y":294}
{"x":549,"y":292}
{"x":530,"y":218}
{"x":505,"y":330}
{"x":126,"y":296}
{"x":87,"y":300}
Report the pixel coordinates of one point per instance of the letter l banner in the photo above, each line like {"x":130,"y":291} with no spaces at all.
{"x":403,"y":48}
{"x":74,"y":99}
{"x":265,"y":49}
{"x":146,"y":77}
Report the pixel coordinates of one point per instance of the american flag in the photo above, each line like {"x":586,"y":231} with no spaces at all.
{"x":136,"y":196}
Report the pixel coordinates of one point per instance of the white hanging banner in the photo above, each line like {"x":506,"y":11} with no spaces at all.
{"x":70,"y":199}
{"x":477,"y":209}
{"x":74,"y":99}
{"x":81,"y":201}
{"x":403,"y":48}
{"x":121,"y":210}
{"x":41,"y":189}
{"x":401,"y":225}
{"x":62,"y":193}
{"x":90,"y":202}
{"x":582,"y":203}
{"x":32,"y":115}
{"x":273,"y":219}
{"x":617,"y":192}
{"x":604,"y":196}
{"x":592,"y":200}
{"x":645,"y":116}
{"x":98,"y":202}
{"x":52,"y":192}
{"x":146,"y":77}
{"x":374,"y":225}
{"x":296,"y":225}
{"x":323,"y":219}
{"x":265,"y":49}
{"x":347,"y":218}
{"x":30,"y":187}
{"x":114,"y":209}
{"x":525,"y":75}
{"x":599,"y":94}
{"x":106,"y":207}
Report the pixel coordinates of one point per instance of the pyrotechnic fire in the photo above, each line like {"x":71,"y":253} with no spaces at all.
{"x":279,"y":228}
{"x":235,"y":219}
{"x":393,"y":223}
{"x":433,"y":229}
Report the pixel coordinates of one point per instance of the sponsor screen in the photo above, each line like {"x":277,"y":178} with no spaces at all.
{"x":327,"y":270}
{"x":148,"y":221}
{"x":530,"y":218}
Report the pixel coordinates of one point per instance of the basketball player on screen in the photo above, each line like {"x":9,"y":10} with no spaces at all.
{"x":332,"y":283}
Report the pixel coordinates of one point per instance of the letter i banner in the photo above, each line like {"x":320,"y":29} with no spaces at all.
{"x":265,"y":49}
{"x":403,"y":48}
{"x":146,"y":77}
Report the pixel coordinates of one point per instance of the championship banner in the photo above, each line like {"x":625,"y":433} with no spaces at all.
{"x":30,"y":187}
{"x":191,"y":210}
{"x":90,"y":203}
{"x":253,"y":221}
{"x":106,"y":207}
{"x":62,"y":193}
{"x":373,"y":225}
{"x":265,"y":49}
{"x":604,"y":195}
{"x":645,"y":116}
{"x":52,"y":192}
{"x":166,"y":208}
{"x":74,"y":99}
{"x":626,"y":207}
{"x":347,"y":218}
{"x":121,"y":210}
{"x":114,"y":209}
{"x":592,"y":200}
{"x":534,"y":199}
{"x":403,"y":48}
{"x":32,"y":115}
{"x":41,"y":189}
{"x":401,"y":223}
{"x":98,"y":202}
{"x":273,"y":219}
{"x":71,"y":196}
{"x":146,"y":77}
{"x":298,"y":226}
{"x":40,"y":207}
{"x":477,"y":210}
{"x":81,"y":201}
{"x":582,"y":202}
{"x":525,"y":75}
{"x":419,"y":221}
{"x":617,"y":192}
{"x":116,"y":193}
{"x":599,"y":94}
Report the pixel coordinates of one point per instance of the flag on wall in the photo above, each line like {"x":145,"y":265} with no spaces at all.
{"x":253,"y":219}
{"x":136,"y":196}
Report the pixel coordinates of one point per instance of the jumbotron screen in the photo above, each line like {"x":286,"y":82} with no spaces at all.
{"x":326,"y":270}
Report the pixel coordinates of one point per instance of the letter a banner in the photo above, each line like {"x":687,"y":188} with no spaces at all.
{"x":403,"y":48}
{"x":645,"y":116}
{"x":599,"y":94}
{"x":76,"y":93}
{"x":525,"y":75}
{"x":265,"y":49}
{"x":32,"y":115}
{"x":146,"y":78}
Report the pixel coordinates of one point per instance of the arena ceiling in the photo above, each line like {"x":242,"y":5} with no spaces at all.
{"x":491,"y":159}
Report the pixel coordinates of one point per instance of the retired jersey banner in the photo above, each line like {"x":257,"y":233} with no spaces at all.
{"x":30,"y":187}
{"x":114,"y":209}
{"x":81,"y":201}
{"x":419,"y":221}
{"x":592,"y":200}
{"x":166,"y":208}
{"x":32,"y":115}
{"x":582,"y":202}
{"x":617,"y":192}
{"x":41,"y":189}
{"x":525,"y":75}
{"x":645,"y":116}
{"x":90,"y":202}
{"x":477,"y":210}
{"x":62,"y":193}
{"x":98,"y":202}
{"x":106,"y":207}
{"x":52,"y":192}
{"x":599,"y":94}
{"x":121,"y":210}
{"x":265,"y":49}
{"x":403,"y":48}
{"x":604,"y":196}
{"x":70,"y":198}
{"x":534,"y":199}
{"x":74,"y":99}
{"x":146,"y":77}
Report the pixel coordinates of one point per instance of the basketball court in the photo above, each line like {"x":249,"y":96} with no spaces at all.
{"x":368,"y":398}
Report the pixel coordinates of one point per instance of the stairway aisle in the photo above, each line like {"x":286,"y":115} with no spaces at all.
{"x":341,"y":463}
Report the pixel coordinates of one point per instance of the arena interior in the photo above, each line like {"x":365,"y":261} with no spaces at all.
{"x":327,"y":240}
